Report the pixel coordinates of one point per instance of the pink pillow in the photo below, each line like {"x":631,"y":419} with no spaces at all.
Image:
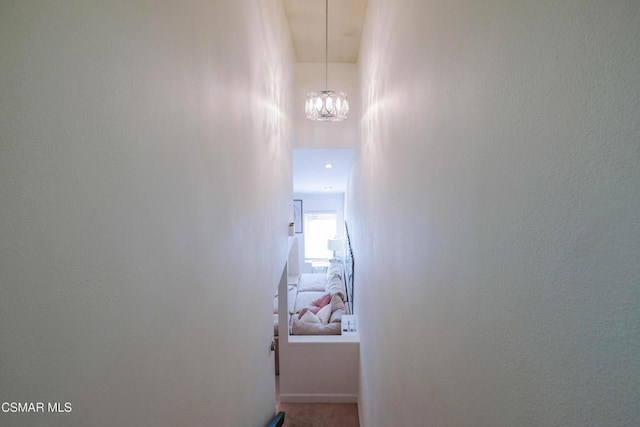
{"x":322,"y":301}
{"x":316,"y":305}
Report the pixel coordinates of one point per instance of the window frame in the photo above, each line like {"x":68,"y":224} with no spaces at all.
{"x":307,"y":228}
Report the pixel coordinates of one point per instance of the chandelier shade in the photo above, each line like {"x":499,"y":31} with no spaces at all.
{"x":327,"y":106}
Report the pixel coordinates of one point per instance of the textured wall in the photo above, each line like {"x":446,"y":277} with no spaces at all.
{"x":495,"y":210}
{"x":146,"y":192}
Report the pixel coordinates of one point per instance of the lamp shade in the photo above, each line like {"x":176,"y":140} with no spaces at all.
{"x":335,"y":244}
{"x":327,"y":106}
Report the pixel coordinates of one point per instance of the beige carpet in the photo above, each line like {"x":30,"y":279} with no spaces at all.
{"x":317,"y":414}
{"x":320,"y":414}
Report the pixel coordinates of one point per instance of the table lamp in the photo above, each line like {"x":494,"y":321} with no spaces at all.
{"x":335,"y":245}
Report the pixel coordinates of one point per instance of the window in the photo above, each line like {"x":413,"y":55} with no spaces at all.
{"x":318,"y":228}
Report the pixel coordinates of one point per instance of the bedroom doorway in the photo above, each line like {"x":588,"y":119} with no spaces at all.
{"x":315,"y":270}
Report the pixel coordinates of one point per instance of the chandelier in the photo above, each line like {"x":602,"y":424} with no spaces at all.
{"x":326,"y":105}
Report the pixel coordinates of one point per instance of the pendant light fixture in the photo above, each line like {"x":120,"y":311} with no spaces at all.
{"x":326,"y":105}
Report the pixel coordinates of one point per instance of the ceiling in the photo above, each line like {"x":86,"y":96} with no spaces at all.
{"x":306,"y":20}
{"x":311,"y":177}
{"x":307,"y":25}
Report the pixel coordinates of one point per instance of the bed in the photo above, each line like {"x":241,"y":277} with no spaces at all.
{"x":316,"y":302}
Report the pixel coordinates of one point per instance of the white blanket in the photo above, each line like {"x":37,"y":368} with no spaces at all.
{"x":335,"y":286}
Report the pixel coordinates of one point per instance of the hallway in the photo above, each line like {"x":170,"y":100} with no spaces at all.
{"x":317,"y":414}
{"x":146,"y":152}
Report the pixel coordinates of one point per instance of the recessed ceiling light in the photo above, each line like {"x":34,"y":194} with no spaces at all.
{"x":328,"y":188}
{"x":328,"y":165}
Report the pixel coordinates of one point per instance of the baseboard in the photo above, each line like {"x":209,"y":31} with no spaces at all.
{"x":318,"y":398}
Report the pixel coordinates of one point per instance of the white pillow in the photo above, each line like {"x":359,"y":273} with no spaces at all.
{"x":337,"y":309}
{"x":308,"y":316}
{"x":336,"y":286}
{"x":324,"y":314}
{"x":335,"y":269}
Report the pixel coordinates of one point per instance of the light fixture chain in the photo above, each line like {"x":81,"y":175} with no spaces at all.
{"x":326,"y":46}
{"x":326,"y":105}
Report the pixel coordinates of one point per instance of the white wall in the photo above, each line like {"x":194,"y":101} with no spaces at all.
{"x":319,"y":202}
{"x":343,"y":77}
{"x":495,"y":213}
{"x":334,"y":358}
{"x":145,"y":168}
{"x":333,"y":376}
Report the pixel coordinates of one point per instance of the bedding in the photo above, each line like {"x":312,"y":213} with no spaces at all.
{"x":324,"y":314}
{"x":338,"y":308}
{"x":311,"y":326}
{"x":291,"y":299}
{"x":335,"y":286}
{"x":334,"y":270}
{"x":306,"y":299}
{"x":316,"y":303}
{"x":315,"y":306}
{"x":314,"y":282}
